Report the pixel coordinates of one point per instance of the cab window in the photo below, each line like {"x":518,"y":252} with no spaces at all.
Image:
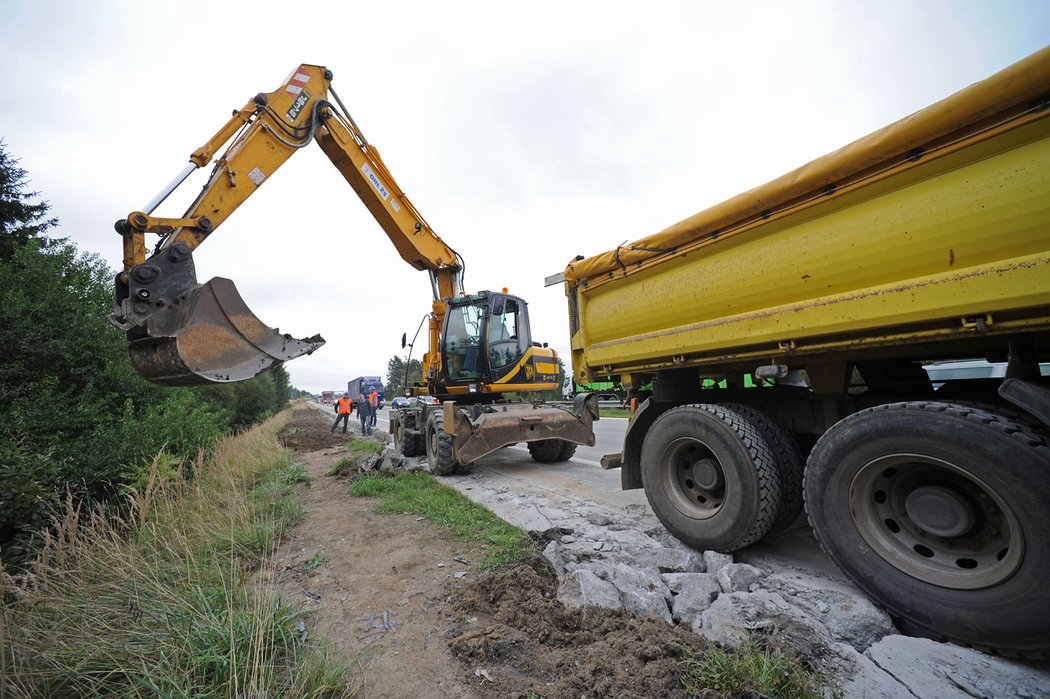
{"x":462,"y":342}
{"x":506,"y":341}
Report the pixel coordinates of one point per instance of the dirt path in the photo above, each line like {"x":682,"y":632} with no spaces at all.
{"x":375,"y":585}
{"x":409,"y":610}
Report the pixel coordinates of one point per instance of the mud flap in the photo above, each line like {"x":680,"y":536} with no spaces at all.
{"x":208,"y":335}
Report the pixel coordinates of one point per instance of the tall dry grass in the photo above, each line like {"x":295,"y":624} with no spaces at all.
{"x":170,"y":597}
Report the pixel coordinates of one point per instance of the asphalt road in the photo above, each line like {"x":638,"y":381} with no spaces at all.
{"x":582,"y":475}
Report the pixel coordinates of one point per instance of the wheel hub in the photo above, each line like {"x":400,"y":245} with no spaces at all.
{"x":695,"y":480}
{"x":707,"y":474}
{"x":935,"y":521}
{"x":940,"y":511}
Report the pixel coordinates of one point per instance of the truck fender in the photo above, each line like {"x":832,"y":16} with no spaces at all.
{"x":1030,"y":396}
{"x":637,"y":429}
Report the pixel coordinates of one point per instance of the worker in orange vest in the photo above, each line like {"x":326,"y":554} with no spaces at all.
{"x":373,"y":403}
{"x":343,"y":407}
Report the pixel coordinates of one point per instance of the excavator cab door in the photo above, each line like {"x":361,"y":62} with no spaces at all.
{"x":486,"y":338}
{"x":507,"y":337}
{"x":462,"y":338}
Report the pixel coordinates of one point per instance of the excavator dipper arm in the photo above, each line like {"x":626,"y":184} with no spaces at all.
{"x":181,"y":332}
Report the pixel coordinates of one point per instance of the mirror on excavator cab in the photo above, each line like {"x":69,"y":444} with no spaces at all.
{"x":182,"y":333}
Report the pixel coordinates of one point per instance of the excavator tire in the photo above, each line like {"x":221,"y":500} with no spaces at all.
{"x":548,"y":451}
{"x":439,"y":446}
{"x":406,"y":442}
{"x":567,"y":450}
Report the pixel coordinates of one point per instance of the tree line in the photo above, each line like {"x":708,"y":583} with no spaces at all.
{"x":74,"y":415}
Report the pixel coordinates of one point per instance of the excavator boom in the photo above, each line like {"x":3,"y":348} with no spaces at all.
{"x":182,"y":332}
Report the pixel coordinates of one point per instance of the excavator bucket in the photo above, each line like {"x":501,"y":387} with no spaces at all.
{"x":210,"y":336}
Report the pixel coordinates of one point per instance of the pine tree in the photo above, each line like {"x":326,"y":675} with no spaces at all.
{"x":20,"y":219}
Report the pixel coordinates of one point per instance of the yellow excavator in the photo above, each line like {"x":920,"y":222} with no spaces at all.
{"x":184,"y":333}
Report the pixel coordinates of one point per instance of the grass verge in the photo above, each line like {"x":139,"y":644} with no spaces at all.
{"x":419,"y":493}
{"x":357,"y":448}
{"x":752,"y":671}
{"x":170,"y":598}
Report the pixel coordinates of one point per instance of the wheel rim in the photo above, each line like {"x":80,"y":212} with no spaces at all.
{"x":935,"y":521}
{"x":693,"y":478}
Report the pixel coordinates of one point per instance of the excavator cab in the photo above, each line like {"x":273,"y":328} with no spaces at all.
{"x":486,"y":340}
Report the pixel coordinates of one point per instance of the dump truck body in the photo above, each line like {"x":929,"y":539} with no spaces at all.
{"x":913,"y":235}
{"x":775,"y":343}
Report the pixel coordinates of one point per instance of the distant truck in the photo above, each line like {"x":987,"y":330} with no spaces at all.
{"x":777,"y":344}
{"x":362,"y":385}
{"x":327,"y":397}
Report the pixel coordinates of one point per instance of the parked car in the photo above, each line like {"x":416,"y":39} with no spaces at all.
{"x":400,"y":402}
{"x":426,"y":400}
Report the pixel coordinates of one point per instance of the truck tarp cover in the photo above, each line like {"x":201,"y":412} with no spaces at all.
{"x":1018,"y":85}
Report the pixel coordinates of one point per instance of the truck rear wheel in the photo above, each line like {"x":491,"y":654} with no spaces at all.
{"x":938,"y":511}
{"x":787,"y":458}
{"x":709,"y":477}
{"x":439,"y":446}
{"x":547,"y":451}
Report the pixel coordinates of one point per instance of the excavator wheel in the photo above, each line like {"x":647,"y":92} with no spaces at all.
{"x":549,"y":451}
{"x":439,"y":446}
{"x":404,"y":441}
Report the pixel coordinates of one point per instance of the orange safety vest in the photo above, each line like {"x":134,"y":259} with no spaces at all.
{"x":373,"y":399}
{"x":346,"y":406}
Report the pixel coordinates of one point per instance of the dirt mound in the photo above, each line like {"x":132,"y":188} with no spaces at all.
{"x":522,"y":642}
{"x":308,"y":432}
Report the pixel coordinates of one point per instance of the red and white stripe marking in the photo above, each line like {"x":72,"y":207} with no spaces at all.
{"x":297,"y":83}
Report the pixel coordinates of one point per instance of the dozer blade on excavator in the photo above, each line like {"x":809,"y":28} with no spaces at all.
{"x":210,"y":336}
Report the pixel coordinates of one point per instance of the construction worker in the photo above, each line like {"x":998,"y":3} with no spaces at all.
{"x":373,"y":403}
{"x":343,"y":407}
{"x":364,"y":411}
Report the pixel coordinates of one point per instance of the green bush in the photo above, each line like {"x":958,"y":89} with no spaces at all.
{"x":74,"y":415}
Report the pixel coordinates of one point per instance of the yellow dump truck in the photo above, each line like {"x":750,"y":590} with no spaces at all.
{"x":777,"y":346}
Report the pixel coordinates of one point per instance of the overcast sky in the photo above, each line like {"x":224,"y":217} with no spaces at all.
{"x":526,"y":133}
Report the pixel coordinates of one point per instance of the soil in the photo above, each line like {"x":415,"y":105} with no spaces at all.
{"x":408,"y":608}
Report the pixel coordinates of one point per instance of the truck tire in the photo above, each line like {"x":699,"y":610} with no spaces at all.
{"x":548,"y":451}
{"x":788,"y":460}
{"x":709,"y":477}
{"x":938,"y":511}
{"x":439,"y":446}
